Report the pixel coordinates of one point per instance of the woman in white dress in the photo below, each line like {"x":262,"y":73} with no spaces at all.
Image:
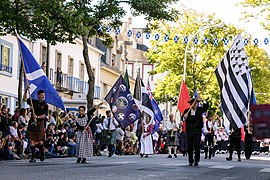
{"x":146,"y":138}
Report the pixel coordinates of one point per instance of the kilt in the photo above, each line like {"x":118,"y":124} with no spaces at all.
{"x":84,"y":144}
{"x":109,"y":137}
{"x":172,"y":142}
{"x":38,"y":134}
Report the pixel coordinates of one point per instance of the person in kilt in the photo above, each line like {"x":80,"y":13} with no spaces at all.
{"x":172,"y":140}
{"x":36,"y":130}
{"x":84,"y":139}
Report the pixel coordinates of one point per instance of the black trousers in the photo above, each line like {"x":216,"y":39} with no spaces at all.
{"x":235,"y":144}
{"x":193,"y":139}
{"x":248,"y":148}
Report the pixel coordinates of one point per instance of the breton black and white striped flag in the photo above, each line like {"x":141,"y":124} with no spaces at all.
{"x":235,"y":83}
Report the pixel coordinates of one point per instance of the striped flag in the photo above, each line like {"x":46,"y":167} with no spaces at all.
{"x":234,"y":78}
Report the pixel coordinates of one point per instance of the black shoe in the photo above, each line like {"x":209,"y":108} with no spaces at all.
{"x":175,"y":155}
{"x":209,"y":157}
{"x":32,"y":161}
{"x":170,"y":156}
{"x":83,"y":161}
{"x":110,"y":155}
{"x":205,"y":157}
{"x":141,"y":154}
{"x":229,"y":159}
{"x":79,"y":160}
{"x":146,"y":156}
{"x":239,"y":159}
{"x":190,"y":164}
{"x":196,"y":164}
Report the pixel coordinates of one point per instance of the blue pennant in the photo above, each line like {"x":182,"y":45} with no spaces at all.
{"x":176,"y":38}
{"x":245,"y":41}
{"x":139,"y":34}
{"x":266,"y":41}
{"x":256,"y":41}
{"x":109,"y":29}
{"x":205,"y":41}
{"x":226,"y":41}
{"x":186,"y":40}
{"x":129,"y":33}
{"x":117,"y":31}
{"x":166,"y":38}
{"x":148,"y":35}
{"x":100,"y":28}
{"x":156,"y":36}
{"x":196,"y":40}
{"x":215,"y":41}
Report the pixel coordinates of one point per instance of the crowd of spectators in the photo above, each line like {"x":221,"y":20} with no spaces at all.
{"x":60,"y":139}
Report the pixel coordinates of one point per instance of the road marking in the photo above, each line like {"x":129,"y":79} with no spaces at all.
{"x":222,"y":167}
{"x":260,"y":158}
{"x":265,"y":170}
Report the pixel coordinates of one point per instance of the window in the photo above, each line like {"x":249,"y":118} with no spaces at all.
{"x":105,"y":89}
{"x":58,"y":60}
{"x":70,"y":66}
{"x":81,"y":71}
{"x":4,"y":100}
{"x":43,"y":54}
{"x":6,"y":57}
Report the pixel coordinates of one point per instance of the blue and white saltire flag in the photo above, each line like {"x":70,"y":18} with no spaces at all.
{"x":157,"y":113}
{"x":234,"y":78}
{"x":37,"y":79}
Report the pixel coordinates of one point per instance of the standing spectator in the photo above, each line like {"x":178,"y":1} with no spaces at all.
{"x":23,"y":119}
{"x":134,"y":140}
{"x":109,"y":125}
{"x":146,"y":138}
{"x":43,"y":67}
{"x":59,"y":77}
{"x":194,"y":125}
{"x":99,"y":133}
{"x":183,"y":139}
{"x":119,"y":136}
{"x":172,"y":137}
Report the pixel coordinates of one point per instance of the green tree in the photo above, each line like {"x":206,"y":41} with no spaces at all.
{"x":89,"y":16}
{"x":202,"y":59}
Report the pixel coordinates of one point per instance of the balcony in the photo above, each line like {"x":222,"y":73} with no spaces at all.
{"x":61,"y":81}
{"x":83,"y":87}
{"x":73,"y":84}
{"x":6,"y":69}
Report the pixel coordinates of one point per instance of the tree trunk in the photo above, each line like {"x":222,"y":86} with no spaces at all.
{"x":48,"y":60}
{"x":91,"y":75}
{"x":20,"y":87}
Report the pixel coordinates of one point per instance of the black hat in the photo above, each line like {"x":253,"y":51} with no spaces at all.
{"x":192,"y":100}
{"x":40,"y":91}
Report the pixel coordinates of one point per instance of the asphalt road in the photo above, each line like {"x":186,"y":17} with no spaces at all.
{"x":135,"y":167}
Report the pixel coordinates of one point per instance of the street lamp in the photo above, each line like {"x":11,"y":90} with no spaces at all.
{"x":193,"y":36}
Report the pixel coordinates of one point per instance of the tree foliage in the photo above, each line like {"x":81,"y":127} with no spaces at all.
{"x":202,"y":59}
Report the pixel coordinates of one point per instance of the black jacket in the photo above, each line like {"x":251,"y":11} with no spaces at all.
{"x":195,"y":123}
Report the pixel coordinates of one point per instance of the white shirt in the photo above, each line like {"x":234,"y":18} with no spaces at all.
{"x":112,"y":126}
{"x":13,"y":131}
{"x":99,"y":128}
{"x":119,"y":134}
{"x":210,"y":126}
{"x":171,"y":126}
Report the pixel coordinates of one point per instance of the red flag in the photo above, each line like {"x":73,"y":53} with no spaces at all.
{"x":183,"y":98}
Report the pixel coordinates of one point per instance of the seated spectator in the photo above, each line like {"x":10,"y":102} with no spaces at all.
{"x":15,"y":138}
{"x":11,"y":152}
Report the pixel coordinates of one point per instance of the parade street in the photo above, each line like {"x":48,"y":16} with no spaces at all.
{"x":134,"y":167}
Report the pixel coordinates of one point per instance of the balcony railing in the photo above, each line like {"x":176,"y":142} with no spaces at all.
{"x":83,"y":87}
{"x":61,"y":81}
{"x":5,"y":68}
{"x":73,"y":84}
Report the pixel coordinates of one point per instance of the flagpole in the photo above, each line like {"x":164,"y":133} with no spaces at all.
{"x":28,"y":87}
